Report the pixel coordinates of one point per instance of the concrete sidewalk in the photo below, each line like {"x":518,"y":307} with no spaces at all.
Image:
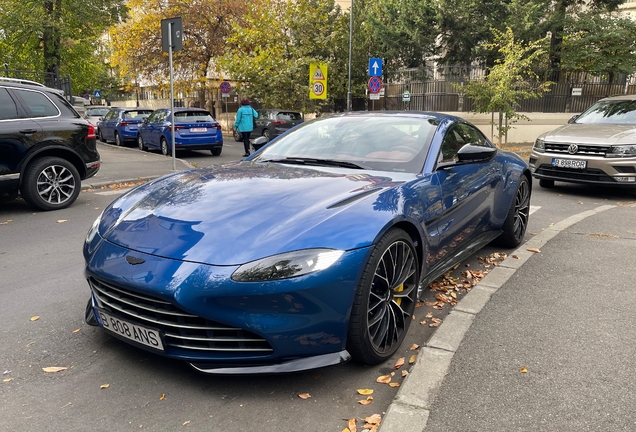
{"x":124,"y":165}
{"x":545,"y":342}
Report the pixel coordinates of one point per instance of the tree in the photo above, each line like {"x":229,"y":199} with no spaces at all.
{"x":51,"y":35}
{"x":270,"y":50}
{"x":510,"y":80}
{"x":599,"y":43}
{"x":137,"y":49}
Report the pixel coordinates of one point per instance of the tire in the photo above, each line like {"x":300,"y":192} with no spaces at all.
{"x":216,"y":151}
{"x":118,"y":141}
{"x":548,"y":184}
{"x":385,"y":299}
{"x":266,"y":134}
{"x":516,"y":223}
{"x":50,"y":183}
{"x":165,"y":150}
{"x":101,"y":137}
{"x":237,"y":135}
{"x":140,"y":143}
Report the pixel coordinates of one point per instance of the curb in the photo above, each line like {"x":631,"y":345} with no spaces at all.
{"x":411,"y":407}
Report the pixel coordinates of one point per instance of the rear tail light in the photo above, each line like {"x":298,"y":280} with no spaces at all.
{"x":217,"y":126}
{"x":175,"y":128}
{"x":91,"y":132}
{"x":126,"y":123}
{"x":278,"y":123}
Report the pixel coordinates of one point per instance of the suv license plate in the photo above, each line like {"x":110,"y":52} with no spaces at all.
{"x":569,"y":163}
{"x":198,"y":129}
{"x":134,"y":332}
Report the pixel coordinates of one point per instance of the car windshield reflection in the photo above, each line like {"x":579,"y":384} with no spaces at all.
{"x":396,"y":143}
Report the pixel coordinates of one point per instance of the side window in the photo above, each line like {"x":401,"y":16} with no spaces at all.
{"x":453,"y":141}
{"x":473,"y":136}
{"x":38,"y":104}
{"x":111,"y":114}
{"x":8,"y":110}
{"x":152,"y":117}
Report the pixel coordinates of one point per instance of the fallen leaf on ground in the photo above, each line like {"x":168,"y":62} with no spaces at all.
{"x":423,"y":322}
{"x":35,"y":318}
{"x":104,"y":386}
{"x":62,"y":220}
{"x":413,"y":358}
{"x":414,"y":347}
{"x":304,"y":395}
{"x":162,"y":397}
{"x":394,"y":384}
{"x":375,"y":419}
{"x":366,"y":401}
{"x":365,"y":392}
{"x":523,"y":370}
{"x":53,"y":369}
{"x":352,"y":425}
{"x":535,"y":250}
{"x":436,"y":322}
{"x":399,"y":363}
{"x":186,"y":422}
{"x":77,"y":331}
{"x":404,"y":373}
{"x":384,"y":379}
{"x":516,"y":257}
{"x":7,"y":379}
{"x":429,"y":315}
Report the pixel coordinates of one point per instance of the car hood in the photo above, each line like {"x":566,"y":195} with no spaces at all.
{"x":239,"y":212}
{"x":590,"y":134}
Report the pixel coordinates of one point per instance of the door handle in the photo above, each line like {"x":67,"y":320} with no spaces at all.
{"x":28,"y":131}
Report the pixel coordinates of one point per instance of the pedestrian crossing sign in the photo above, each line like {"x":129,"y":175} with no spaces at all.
{"x":317,"y":80}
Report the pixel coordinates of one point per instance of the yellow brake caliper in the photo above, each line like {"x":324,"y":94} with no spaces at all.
{"x":397,"y":290}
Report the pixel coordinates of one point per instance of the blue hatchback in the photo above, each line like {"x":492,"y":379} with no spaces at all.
{"x":120,"y":124}
{"x":195,"y":129}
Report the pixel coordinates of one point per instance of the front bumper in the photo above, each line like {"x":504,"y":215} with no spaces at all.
{"x":222,"y":326}
{"x":599,"y":170}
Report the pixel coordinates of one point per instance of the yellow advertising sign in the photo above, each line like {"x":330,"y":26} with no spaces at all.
{"x":318,"y":80}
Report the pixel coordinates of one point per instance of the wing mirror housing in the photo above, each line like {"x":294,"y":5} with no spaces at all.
{"x":473,"y":153}
{"x":573,"y":118}
{"x":259,"y":142}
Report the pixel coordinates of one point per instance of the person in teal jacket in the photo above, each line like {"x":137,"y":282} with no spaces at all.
{"x":244,"y":123}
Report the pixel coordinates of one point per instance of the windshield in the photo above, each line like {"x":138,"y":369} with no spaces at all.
{"x":610,"y":112}
{"x":384,"y":143}
{"x":97,"y":112}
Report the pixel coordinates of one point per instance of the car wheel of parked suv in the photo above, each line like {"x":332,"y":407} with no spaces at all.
{"x":50,"y":183}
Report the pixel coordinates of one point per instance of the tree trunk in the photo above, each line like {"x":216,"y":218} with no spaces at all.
{"x":51,"y":37}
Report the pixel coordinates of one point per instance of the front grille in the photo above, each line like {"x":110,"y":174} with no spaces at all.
{"x":586,"y":150}
{"x":589,"y":174}
{"x":181,"y":330}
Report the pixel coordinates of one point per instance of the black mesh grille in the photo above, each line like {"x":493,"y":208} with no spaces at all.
{"x":181,"y":330}
{"x":589,"y":174}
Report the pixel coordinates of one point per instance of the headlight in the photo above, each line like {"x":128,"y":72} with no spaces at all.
{"x":622,"y":151}
{"x":287,"y":265}
{"x":93,"y":229}
{"x":539,"y":145}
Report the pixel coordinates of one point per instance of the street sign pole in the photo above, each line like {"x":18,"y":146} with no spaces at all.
{"x":174,"y":160}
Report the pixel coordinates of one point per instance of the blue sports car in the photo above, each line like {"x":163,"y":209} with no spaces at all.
{"x":308,"y":253}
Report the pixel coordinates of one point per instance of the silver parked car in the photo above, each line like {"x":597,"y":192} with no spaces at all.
{"x":597,"y":147}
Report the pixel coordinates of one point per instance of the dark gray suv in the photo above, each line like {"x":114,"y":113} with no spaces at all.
{"x":46,"y":147}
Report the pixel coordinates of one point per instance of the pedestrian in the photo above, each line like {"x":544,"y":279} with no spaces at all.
{"x":244,"y":123}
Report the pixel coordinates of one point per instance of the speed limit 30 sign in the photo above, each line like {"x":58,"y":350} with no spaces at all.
{"x":317,"y":88}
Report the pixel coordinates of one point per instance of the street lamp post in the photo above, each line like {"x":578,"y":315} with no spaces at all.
{"x":350,"y":48}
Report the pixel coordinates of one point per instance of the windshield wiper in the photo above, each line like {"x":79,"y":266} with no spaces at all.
{"x":317,"y":162}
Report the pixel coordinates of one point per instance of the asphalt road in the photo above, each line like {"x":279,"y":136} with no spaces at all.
{"x":41,"y":275}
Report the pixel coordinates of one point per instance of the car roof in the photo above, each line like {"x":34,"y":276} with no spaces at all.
{"x":28,"y":84}
{"x":620,"y":98}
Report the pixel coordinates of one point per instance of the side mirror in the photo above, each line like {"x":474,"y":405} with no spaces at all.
{"x":259,"y":142}
{"x":573,"y":118}
{"x":474,"y":153}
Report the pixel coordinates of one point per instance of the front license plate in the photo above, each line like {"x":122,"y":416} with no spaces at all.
{"x":134,"y":332}
{"x":198,"y":129}
{"x":569,"y":163}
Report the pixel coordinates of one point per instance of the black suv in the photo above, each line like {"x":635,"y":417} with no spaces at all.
{"x":46,"y":147}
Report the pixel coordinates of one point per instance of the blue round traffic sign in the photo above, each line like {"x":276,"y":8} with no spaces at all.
{"x":226,"y":87}
{"x":375,"y":84}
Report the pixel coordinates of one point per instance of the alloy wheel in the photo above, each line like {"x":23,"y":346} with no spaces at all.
{"x":522,"y":209}
{"x":56,"y":184}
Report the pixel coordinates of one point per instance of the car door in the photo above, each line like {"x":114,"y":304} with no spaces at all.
{"x":107,"y":126}
{"x":17,"y":133}
{"x":468,"y":189}
{"x":145,"y":129}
